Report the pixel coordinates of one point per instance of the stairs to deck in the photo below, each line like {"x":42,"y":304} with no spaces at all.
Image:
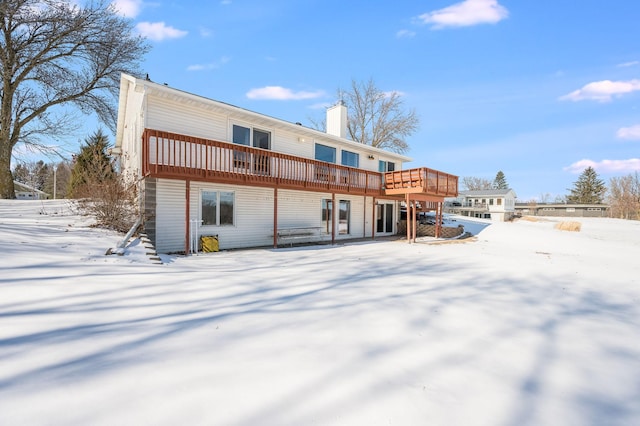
{"x":150,"y":250}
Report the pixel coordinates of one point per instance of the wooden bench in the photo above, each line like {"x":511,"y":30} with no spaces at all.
{"x":298,"y":233}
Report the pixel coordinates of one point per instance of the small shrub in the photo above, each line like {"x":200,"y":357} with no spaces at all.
{"x":569,"y":226}
{"x":112,"y":203}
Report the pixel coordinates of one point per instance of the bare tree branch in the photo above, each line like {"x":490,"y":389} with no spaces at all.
{"x":375,"y":117}
{"x":55,"y":53}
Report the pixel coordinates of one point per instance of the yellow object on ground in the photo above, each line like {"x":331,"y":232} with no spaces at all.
{"x":209,"y":244}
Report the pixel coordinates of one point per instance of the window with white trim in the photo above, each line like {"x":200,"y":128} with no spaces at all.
{"x":217,"y":208}
{"x":386,"y":166}
{"x":250,"y":136}
{"x":350,"y":159}
{"x":325,"y":153}
{"x":344,"y":216}
{"x":327,"y":215}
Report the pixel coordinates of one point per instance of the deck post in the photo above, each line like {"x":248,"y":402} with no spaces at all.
{"x":187,"y":214}
{"x":408,"y":221}
{"x":275,"y":217}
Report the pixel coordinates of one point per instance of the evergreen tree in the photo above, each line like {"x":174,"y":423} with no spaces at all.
{"x":92,"y":166}
{"x":588,"y":189}
{"x":500,"y":182}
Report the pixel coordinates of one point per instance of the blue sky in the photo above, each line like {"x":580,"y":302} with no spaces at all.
{"x":538,"y":89}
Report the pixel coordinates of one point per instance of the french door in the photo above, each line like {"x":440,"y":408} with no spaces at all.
{"x":384,"y":218}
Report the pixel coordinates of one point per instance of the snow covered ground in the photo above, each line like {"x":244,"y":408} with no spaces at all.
{"x":527,"y":325}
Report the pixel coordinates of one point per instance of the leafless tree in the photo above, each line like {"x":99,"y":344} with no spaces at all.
{"x":544,"y":198}
{"x":375,"y":117}
{"x":624,"y":196}
{"x":378,"y":118}
{"x":470,"y":183}
{"x":57,"y":57}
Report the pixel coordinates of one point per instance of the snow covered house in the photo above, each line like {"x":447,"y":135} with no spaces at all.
{"x":209,"y":168}
{"x":494,"y":204}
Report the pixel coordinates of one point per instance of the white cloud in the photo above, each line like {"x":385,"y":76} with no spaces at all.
{"x":602,"y":91}
{"x":405,"y":34}
{"x":629,"y":64}
{"x":631,"y":133}
{"x":128,"y":8}
{"x":210,"y":66}
{"x":159,"y":31}
{"x":606,"y":166}
{"x":466,"y":13}
{"x":282,"y":93}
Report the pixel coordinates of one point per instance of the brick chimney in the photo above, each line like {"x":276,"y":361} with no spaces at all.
{"x":337,"y":120}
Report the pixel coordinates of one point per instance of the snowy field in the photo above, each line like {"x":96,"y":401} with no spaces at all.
{"x":527,"y":325}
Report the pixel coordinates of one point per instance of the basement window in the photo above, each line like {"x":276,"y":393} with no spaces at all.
{"x":217,"y":208}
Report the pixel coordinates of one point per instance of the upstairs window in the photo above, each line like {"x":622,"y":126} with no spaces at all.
{"x":241,"y":135}
{"x":261,"y":139}
{"x":386,"y":166}
{"x":251,"y":137}
{"x":350,"y":159}
{"x":325,"y":153}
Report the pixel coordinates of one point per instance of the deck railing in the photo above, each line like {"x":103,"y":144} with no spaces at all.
{"x":421,"y":180}
{"x":172,"y":155}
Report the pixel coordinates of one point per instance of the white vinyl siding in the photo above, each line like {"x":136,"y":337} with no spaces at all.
{"x":293,"y":144}
{"x":170,"y":216}
{"x":302,"y":209}
{"x":183,"y":119}
{"x":253,"y":215}
{"x":132,"y":133}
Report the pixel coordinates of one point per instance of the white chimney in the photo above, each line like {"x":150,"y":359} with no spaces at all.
{"x":337,"y":120}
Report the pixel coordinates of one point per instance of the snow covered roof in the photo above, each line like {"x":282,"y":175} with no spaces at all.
{"x":487,"y":193}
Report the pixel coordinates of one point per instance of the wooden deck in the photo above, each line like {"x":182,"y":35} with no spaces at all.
{"x":421,"y":181}
{"x":175,"y":156}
